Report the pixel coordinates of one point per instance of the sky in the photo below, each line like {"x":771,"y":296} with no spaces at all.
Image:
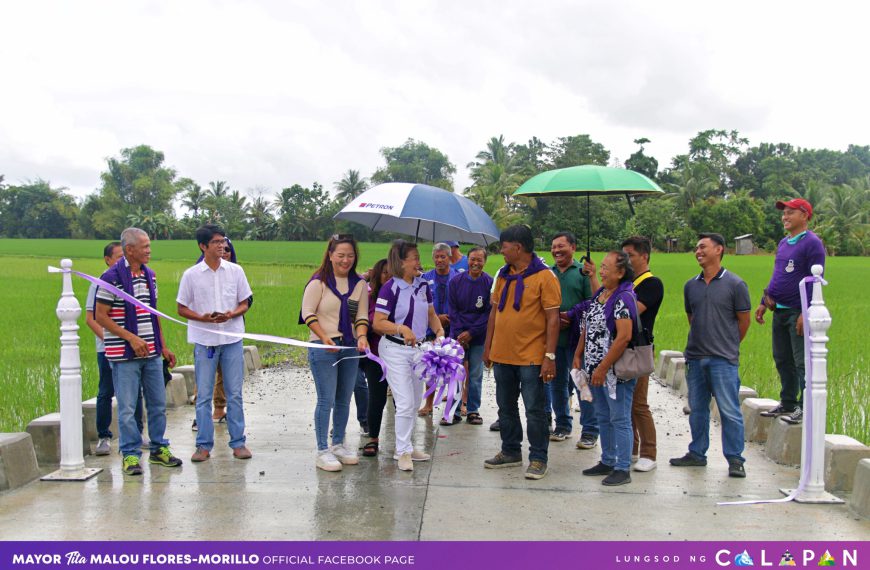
{"x":266,"y":94}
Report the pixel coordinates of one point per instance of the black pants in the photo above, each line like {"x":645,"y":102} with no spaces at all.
{"x":788,"y":354}
{"x":377,"y":395}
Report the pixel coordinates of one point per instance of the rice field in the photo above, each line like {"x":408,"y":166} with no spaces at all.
{"x":278,"y":272}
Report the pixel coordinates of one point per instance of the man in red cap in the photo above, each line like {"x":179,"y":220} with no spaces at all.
{"x":795,"y":256}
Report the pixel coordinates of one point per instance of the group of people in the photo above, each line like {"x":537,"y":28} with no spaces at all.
{"x":531,"y":323}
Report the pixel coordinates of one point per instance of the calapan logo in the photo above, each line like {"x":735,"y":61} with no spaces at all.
{"x":373,"y":206}
{"x":743,"y":559}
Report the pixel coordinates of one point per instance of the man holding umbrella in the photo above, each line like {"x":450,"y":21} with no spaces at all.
{"x":521,"y":338}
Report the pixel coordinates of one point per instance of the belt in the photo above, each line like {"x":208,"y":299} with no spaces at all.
{"x":400,"y":341}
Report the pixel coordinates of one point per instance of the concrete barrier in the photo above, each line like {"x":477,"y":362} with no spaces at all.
{"x":756,"y":426}
{"x":859,"y":502}
{"x":189,"y":378}
{"x":784,"y":443}
{"x":89,"y":419}
{"x":744,"y":393}
{"x":662,"y":366}
{"x":249,"y":362}
{"x":176,"y":392}
{"x":255,"y":356}
{"x":18,"y":465}
{"x":676,"y":366}
{"x":45,"y":432}
{"x":842,"y":455}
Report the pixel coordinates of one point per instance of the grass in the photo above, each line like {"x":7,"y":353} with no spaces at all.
{"x":278,"y":272}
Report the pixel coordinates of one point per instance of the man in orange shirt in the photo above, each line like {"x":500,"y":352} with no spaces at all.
{"x":520,"y":342}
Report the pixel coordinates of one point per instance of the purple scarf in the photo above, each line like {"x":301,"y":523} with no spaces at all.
{"x":345,"y":326}
{"x":624,"y":291}
{"x":120,"y":273}
{"x":535,"y":266}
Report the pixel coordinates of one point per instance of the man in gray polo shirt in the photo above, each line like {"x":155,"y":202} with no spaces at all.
{"x":718,"y":308}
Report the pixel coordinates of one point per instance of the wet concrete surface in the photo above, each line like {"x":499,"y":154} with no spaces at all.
{"x":280,"y":495}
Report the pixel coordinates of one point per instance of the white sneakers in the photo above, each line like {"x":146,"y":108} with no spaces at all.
{"x":104,"y":447}
{"x":644,"y":464}
{"x":406,"y":459}
{"x":327,"y":461}
{"x":344,"y":455}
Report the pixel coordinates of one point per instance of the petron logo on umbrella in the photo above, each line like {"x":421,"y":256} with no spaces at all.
{"x":374,"y":206}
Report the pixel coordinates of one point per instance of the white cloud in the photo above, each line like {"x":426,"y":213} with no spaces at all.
{"x":267,"y":94}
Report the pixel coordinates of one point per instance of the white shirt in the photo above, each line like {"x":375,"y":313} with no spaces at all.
{"x":205,"y":291}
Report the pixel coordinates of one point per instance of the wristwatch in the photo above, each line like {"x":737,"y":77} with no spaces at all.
{"x":550,"y":355}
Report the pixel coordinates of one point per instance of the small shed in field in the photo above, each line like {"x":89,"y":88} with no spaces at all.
{"x":744,"y":245}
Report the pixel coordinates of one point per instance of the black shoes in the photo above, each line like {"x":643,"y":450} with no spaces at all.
{"x":689,"y":460}
{"x":780,"y":410}
{"x":795,"y":418}
{"x":618,"y":477}
{"x":600,"y":469}
{"x":735,"y":468}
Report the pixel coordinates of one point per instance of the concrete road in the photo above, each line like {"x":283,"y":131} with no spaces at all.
{"x":280,"y":495}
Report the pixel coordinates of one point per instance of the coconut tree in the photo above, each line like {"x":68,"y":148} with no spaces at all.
{"x":350,"y":186}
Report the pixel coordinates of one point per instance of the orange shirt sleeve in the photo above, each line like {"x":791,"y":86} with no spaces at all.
{"x":551,"y":292}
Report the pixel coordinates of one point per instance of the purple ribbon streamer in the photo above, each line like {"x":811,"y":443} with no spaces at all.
{"x":808,"y":402}
{"x":440,"y":367}
{"x":133,"y":300}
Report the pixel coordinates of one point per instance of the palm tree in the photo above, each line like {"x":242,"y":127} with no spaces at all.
{"x":350,"y":186}
{"x":694,"y":183}
{"x":194,"y":198}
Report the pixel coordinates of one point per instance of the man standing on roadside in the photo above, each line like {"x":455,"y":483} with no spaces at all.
{"x":112,"y":253}
{"x":718,"y":306}
{"x":795,"y":257}
{"x":520,"y":344}
{"x":575,"y":287}
{"x":214,"y":294}
{"x":458,"y":262}
{"x":649,"y":291}
{"x":134,"y":346}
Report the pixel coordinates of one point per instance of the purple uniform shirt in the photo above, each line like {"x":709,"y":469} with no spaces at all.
{"x":793,"y":263}
{"x":470,"y":306}
{"x":406,"y":304}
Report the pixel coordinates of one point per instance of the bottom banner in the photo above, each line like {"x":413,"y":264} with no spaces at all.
{"x":441,"y":555}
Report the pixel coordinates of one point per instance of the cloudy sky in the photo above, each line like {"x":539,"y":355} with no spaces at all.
{"x":271,"y":93}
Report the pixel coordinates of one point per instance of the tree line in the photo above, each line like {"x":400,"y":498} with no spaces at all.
{"x":720,"y":184}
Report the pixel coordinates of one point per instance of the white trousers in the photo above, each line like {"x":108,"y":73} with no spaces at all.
{"x":407,"y":389}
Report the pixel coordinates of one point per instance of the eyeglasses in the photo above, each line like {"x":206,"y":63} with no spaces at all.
{"x":221,"y":241}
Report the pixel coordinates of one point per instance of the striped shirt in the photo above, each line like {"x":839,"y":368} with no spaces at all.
{"x":114,"y":344}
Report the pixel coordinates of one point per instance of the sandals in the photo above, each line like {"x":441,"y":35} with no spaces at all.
{"x":444,"y":422}
{"x":463,"y":410}
{"x":423,"y":412}
{"x":370,"y":449}
{"x":474,"y":419}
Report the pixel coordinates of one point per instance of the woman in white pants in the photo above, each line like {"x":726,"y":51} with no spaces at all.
{"x":403,"y":311}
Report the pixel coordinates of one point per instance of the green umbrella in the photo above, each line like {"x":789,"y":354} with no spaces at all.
{"x":588,"y":180}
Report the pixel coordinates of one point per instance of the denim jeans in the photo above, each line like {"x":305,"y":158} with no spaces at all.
{"x":788,"y":354}
{"x":131,"y":377}
{"x":510,"y":382}
{"x":334,"y":385}
{"x":475,"y":377}
{"x":105,"y":392}
{"x":231,"y":358}
{"x":614,"y":423}
{"x":361,"y":397}
{"x":717,"y":377}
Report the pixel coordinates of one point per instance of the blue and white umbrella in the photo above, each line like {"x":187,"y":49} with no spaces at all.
{"x":422,"y":211}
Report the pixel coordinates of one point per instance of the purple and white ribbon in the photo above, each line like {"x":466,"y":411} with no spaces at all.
{"x":137,"y":303}
{"x":440,"y":367}
{"x":808,"y":402}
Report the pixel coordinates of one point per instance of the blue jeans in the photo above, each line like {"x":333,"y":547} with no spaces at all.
{"x":105,"y":392}
{"x":510,"y":382}
{"x":475,"y":377}
{"x":131,"y":377}
{"x":334,"y":385}
{"x":614,"y":422}
{"x":231,"y":358}
{"x":361,"y":397}
{"x":717,"y":377}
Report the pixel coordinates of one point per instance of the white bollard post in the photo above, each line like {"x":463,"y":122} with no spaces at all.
{"x":72,"y":462}
{"x":812,"y":486}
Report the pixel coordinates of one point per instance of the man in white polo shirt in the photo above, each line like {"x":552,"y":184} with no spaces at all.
{"x":213,"y":295}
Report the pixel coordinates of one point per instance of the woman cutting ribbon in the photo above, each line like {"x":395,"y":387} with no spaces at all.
{"x":403,"y":311}
{"x":335,"y":308}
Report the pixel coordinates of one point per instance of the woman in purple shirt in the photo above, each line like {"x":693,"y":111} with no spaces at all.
{"x":403,"y":311}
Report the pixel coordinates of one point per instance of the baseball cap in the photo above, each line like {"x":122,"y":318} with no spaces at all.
{"x":797,"y":204}
{"x":452,"y":243}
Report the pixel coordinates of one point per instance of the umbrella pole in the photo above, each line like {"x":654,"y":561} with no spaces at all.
{"x":630,"y":205}
{"x":588,"y":231}
{"x":417,"y":232}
